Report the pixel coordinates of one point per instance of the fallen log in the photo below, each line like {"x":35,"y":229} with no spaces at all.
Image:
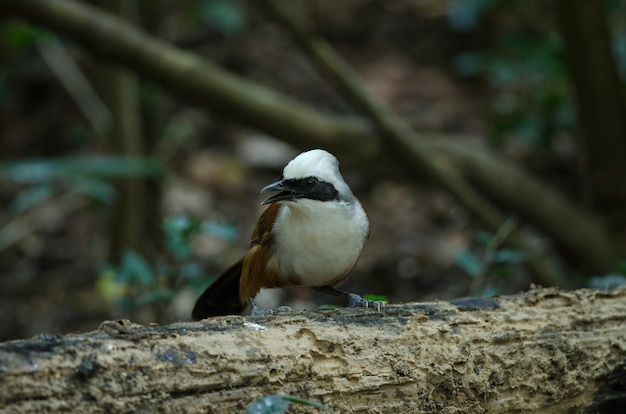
{"x":545,"y":350}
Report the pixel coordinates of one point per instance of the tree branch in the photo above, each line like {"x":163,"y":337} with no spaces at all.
{"x":542,"y":351}
{"x":575,"y":232}
{"x":194,"y":78}
{"x":404,"y":140}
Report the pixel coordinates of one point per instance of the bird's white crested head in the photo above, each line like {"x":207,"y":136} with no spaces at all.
{"x":320,"y":164}
{"x":312,"y":175}
{"x":314,"y":163}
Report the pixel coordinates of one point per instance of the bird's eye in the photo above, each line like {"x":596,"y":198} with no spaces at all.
{"x":310,"y":183}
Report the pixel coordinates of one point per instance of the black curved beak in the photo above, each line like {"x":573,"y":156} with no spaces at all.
{"x":288,"y":191}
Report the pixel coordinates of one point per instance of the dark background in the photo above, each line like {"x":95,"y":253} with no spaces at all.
{"x":86,"y":235}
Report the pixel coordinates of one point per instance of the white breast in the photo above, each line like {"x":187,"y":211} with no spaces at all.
{"x":318,"y":241}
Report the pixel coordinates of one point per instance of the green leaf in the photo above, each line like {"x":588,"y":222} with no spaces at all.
{"x":468,"y":262}
{"x":135,"y":269}
{"x":376,"y":298}
{"x":483,"y":237}
{"x":309,"y":403}
{"x":95,"y":188}
{"x":153,"y":296}
{"x":30,"y":197}
{"x":179,"y":231}
{"x":221,"y":230}
{"x":269,"y":404}
{"x":490,"y":291}
{"x":227,"y":16}
{"x":279,"y":404}
{"x":177,"y":225}
{"x":609,"y":281}
{"x":32,"y":171}
{"x":191,"y":270}
{"x":114,"y":166}
{"x":45,"y":170}
{"x":509,"y":256}
{"x":468,"y":64}
{"x":18,"y":36}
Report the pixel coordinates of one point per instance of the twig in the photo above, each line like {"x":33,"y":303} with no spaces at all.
{"x":400,"y":135}
{"x":77,"y":85}
{"x":490,"y":253}
{"x":37,"y":218}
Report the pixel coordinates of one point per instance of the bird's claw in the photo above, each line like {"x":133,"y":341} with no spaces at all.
{"x":355,"y":301}
{"x":256,"y":311}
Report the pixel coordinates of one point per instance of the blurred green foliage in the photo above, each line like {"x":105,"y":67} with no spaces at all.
{"x":616,"y":278}
{"x":42,"y":179}
{"x":489,"y":268}
{"x":465,"y":15}
{"x":612,"y":280}
{"x":228,"y":17}
{"x":525,"y":66}
{"x":179,"y":231}
{"x":136,"y":282}
{"x":16,"y":37}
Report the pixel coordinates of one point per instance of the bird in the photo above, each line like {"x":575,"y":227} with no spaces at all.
{"x":311,"y":234}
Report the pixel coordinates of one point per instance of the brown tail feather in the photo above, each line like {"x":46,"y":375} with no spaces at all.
{"x":222,"y":296}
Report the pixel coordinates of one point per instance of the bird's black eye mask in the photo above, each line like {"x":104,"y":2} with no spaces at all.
{"x":294,"y":189}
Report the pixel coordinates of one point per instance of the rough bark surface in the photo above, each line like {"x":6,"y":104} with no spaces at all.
{"x":542,"y":351}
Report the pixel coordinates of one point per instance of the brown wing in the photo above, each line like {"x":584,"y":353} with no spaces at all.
{"x":263,"y":228}
{"x":229,"y":293}
{"x":259,"y":267}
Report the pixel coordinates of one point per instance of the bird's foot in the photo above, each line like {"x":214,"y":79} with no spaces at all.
{"x":356,"y":301}
{"x":353,"y":299}
{"x":256,"y":311}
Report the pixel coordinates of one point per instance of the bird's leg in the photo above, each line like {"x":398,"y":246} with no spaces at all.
{"x":254,"y":309}
{"x":353,"y":299}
